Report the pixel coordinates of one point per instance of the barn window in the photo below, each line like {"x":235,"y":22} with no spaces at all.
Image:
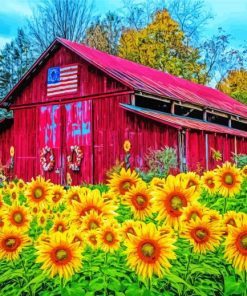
{"x":239,"y":125}
{"x":159,"y":105}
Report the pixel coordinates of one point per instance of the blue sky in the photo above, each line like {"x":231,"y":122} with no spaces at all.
{"x":229,"y":14}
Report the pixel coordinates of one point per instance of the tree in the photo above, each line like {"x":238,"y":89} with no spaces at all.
{"x":105,"y":34}
{"x":59,"y":18}
{"x":15,"y":59}
{"x":220,"y":58}
{"x":161,"y":45}
{"x":191,"y":15}
{"x":235,"y":85}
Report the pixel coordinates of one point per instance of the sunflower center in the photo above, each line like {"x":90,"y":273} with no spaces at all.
{"x":131,"y":230}
{"x":62,"y":255}
{"x":229,"y":179}
{"x":194,"y":215}
{"x":18,"y":218}
{"x":56,"y":197}
{"x":243,"y":242}
{"x":231,"y":222}
{"x":60,"y":228}
{"x":201,"y":234}
{"x":148,"y":250}
{"x":210,"y":182}
{"x":140,"y":200}
{"x":93,"y":225}
{"x":93,"y":239}
{"x":10,"y":242}
{"x":75,"y":197}
{"x":109,"y":237}
{"x":191,"y":183}
{"x":176,"y":203}
{"x":38,"y":192}
{"x":126,"y":185}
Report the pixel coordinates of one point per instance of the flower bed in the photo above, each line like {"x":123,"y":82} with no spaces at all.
{"x":183,"y":235}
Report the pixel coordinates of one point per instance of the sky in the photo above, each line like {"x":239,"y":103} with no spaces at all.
{"x":231,"y":15}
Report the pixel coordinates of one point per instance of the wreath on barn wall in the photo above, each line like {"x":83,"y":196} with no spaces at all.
{"x":76,"y":164}
{"x":47,"y":166}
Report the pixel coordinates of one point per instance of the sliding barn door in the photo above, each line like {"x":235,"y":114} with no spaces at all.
{"x":50,"y":135}
{"x":78,"y":132}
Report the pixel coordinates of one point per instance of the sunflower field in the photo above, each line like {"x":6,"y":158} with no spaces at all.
{"x":181,"y":235}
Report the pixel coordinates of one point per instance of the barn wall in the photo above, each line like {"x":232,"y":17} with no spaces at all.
{"x":195,"y":150}
{"x":92,"y":80}
{"x":6,"y":141}
{"x":113,"y":125}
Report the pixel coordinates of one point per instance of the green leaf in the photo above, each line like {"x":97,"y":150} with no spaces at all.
{"x":114,"y":285}
{"x":231,"y":287}
{"x":97,"y":284}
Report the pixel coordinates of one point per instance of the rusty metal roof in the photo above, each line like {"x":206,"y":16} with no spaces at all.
{"x":181,"y":122}
{"x":145,"y":79}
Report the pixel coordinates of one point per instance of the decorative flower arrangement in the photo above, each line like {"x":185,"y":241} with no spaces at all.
{"x":47,"y":166}
{"x":127,"y":148}
{"x":75,"y":166}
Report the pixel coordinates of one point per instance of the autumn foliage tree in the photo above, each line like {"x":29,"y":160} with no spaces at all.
{"x":162,"y":45}
{"x":235,"y":85}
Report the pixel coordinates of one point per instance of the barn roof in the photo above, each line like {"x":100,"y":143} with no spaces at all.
{"x":145,"y":79}
{"x":180,"y":122}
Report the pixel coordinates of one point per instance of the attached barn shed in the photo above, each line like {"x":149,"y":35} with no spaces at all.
{"x":78,"y":99}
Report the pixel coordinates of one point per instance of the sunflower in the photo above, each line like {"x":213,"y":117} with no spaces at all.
{"x":192,"y":179}
{"x":58,"y":195}
{"x":213,"y":215}
{"x":92,"y":220}
{"x":166,"y":230}
{"x":92,"y":202}
{"x":12,"y":186}
{"x":42,"y":220}
{"x":244,"y":171}
{"x":192,"y":212}
{"x":228,"y":180}
{"x":138,"y":198}
{"x":59,"y":256}
{"x":14,"y":195}
{"x":109,"y":237}
{"x":127,"y":146}
{"x":128,"y":227}
{"x":148,"y":252}
{"x":158,"y":182}
{"x":91,"y":238}
{"x":38,"y":192}
{"x":21,"y":185}
{"x":77,"y":236}
{"x":208,"y":181}
{"x":73,"y":194}
{"x":170,"y":200}
{"x":60,"y":225}
{"x":11,"y":243}
{"x":236,"y":244}
{"x":2,"y":221}
{"x":17,"y":216}
{"x":229,"y":219}
{"x":110,"y":197}
{"x":120,"y":183}
{"x":202,"y":234}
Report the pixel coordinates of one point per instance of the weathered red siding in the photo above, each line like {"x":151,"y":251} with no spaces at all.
{"x":92,"y":80}
{"x":113,"y":125}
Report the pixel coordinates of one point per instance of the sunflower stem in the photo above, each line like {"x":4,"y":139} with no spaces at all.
{"x":187,"y":270}
{"x":224,"y":211}
{"x":26,"y":276}
{"x":105,"y":276}
{"x":245,"y":282}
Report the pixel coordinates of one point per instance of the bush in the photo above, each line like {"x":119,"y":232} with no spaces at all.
{"x":159,"y":163}
{"x":240,"y":160}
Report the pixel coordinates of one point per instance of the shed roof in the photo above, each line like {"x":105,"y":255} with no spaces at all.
{"x":180,"y":122}
{"x":146,"y":79}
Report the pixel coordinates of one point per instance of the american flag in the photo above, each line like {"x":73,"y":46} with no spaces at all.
{"x":62,"y":80}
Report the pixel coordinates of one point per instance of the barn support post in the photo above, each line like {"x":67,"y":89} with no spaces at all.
{"x":180,"y":149}
{"x":173,"y":108}
{"x":230,"y":121}
{"x":235,"y":145}
{"x":206,"y":151}
{"x":133,"y":99}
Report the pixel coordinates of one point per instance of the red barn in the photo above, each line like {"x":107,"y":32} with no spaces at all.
{"x":75,"y":97}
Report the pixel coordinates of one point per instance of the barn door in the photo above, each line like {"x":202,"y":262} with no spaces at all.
{"x":50,"y":137}
{"x":78,"y":132}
